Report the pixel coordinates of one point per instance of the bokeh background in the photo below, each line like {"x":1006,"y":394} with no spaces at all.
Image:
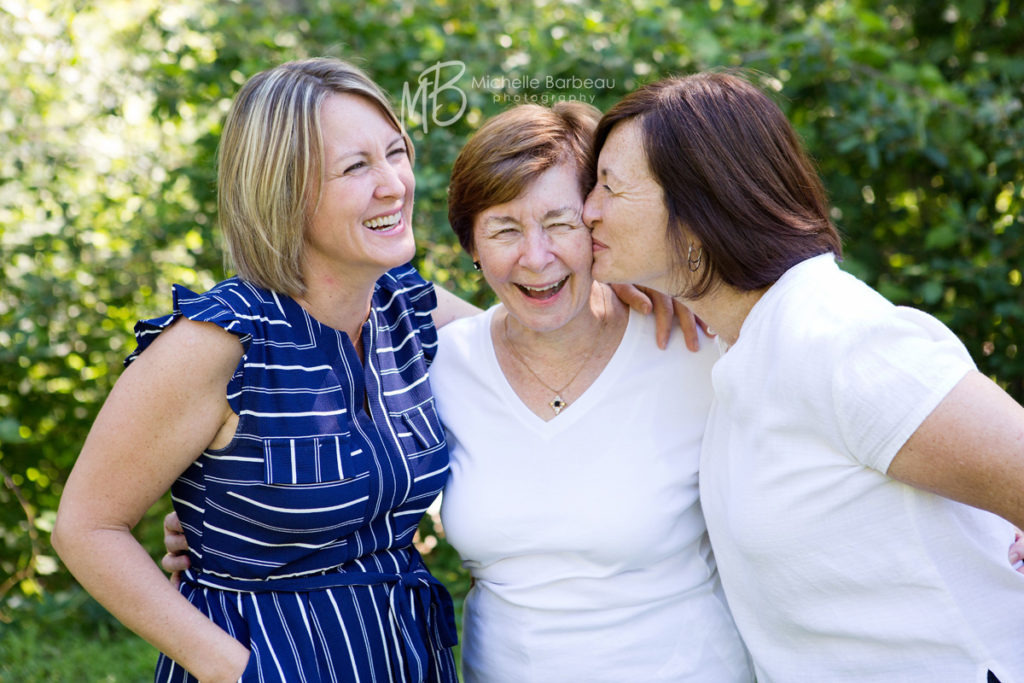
{"x":109,"y":118}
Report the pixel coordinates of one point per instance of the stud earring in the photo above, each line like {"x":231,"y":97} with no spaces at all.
{"x":476,"y":264}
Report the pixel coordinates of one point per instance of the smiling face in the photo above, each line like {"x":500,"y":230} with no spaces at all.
{"x":627,"y":214}
{"x":535,"y":252}
{"x":362,"y":226}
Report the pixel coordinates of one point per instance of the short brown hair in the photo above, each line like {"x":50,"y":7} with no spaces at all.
{"x":270,"y":164}
{"x":734,"y":175}
{"x":513,"y":149}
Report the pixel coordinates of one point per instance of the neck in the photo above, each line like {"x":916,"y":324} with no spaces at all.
{"x":724,"y":309}
{"x":337,"y":303}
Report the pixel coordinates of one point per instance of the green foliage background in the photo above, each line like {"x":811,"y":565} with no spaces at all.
{"x":111,"y":112}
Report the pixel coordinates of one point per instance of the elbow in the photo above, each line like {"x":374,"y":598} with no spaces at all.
{"x":70,"y":532}
{"x":61,"y":538}
{"x":81,"y":533}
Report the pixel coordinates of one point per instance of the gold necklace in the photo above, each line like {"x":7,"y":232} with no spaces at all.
{"x":558,"y":404}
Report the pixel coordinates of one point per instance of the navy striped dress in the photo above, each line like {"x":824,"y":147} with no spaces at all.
{"x":300,"y":530}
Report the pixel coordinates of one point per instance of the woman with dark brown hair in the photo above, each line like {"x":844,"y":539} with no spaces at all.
{"x":851,"y":442}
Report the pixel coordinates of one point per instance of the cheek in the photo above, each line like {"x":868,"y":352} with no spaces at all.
{"x":580,"y":254}
{"x":497,"y":277}
{"x":494,"y":265}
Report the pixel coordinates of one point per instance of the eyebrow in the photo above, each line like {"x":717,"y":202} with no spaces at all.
{"x":345,"y":154}
{"x":575,"y":210}
{"x":499,"y":220}
{"x":548,"y":215}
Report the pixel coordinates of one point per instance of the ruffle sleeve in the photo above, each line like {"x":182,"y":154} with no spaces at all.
{"x":209,"y":307}
{"x":406,"y":284}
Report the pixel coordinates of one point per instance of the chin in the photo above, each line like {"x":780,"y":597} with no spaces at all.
{"x":606,"y":274}
{"x":404,"y":252}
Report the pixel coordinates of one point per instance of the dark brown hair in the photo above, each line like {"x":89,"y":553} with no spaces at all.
{"x":735,"y":178}
{"x":513,"y":149}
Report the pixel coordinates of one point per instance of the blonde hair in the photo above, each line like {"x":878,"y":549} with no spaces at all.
{"x":270,"y":164}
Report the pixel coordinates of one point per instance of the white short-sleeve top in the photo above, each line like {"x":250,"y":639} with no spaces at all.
{"x":584,"y":534}
{"x":834,"y":571}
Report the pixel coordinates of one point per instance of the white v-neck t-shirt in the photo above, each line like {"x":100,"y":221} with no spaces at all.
{"x":834,"y":571}
{"x":584,"y":534}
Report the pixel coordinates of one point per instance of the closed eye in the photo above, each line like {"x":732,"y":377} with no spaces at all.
{"x":503,"y":232}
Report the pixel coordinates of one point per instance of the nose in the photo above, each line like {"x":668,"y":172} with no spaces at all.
{"x":591,"y":209}
{"x":389,"y":182}
{"x":536,"y":251}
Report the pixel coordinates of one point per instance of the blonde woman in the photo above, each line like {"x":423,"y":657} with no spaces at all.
{"x":287,"y":409}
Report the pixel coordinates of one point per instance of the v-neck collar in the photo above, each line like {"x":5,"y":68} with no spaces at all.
{"x":578,"y":408}
{"x":337,"y":348}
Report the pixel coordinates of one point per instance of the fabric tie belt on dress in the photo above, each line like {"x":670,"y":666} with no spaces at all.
{"x":431,"y":598}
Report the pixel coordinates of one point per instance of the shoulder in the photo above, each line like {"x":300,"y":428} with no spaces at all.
{"x":812,"y":316}
{"x":404,"y":287}
{"x":462,"y":350}
{"x":821,"y":331}
{"x":674,"y":378}
{"x":232,"y":305}
{"x":189,"y":354}
{"x":403,"y":303}
{"x":817,"y":293}
{"x":842,"y":320}
{"x":234,"y":294}
{"x":641,"y":332}
{"x":466,"y":330}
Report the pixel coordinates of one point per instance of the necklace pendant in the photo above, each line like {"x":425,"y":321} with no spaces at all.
{"x":557,"y":403}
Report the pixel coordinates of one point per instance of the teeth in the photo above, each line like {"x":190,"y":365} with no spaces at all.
{"x":541,"y":289}
{"x":383,"y":221}
{"x":548,"y":288}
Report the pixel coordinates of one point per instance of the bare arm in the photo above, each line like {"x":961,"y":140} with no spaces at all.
{"x":450,"y":307}
{"x":164,"y":410}
{"x":970,"y":449}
